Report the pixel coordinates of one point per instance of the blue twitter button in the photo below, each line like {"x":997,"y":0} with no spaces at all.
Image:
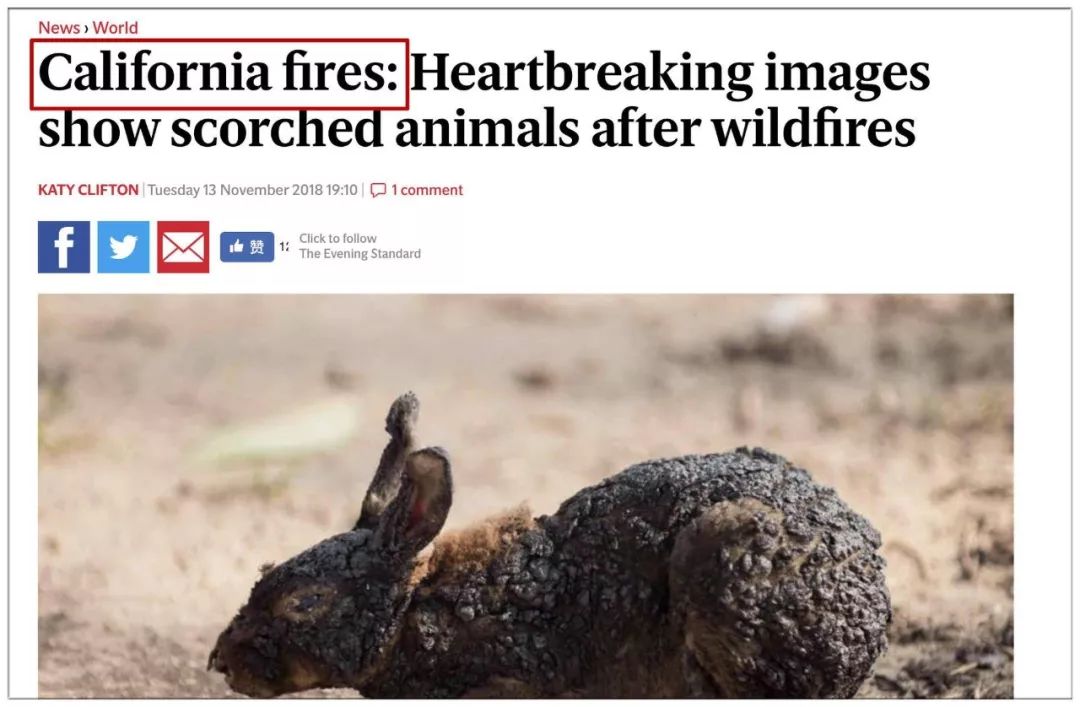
{"x":123,"y":246}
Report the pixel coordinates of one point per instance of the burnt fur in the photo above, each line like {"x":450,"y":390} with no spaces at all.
{"x":717,"y":575}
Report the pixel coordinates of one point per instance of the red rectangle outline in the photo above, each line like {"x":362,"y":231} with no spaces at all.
{"x":213,"y":40}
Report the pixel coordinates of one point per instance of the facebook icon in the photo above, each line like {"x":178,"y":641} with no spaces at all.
{"x":63,"y":246}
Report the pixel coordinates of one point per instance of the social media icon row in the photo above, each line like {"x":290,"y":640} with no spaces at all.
{"x":124,"y":246}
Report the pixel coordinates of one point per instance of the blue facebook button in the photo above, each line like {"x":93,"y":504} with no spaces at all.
{"x":63,"y":246}
{"x":247,"y":247}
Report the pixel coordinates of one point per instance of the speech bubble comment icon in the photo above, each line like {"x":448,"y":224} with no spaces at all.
{"x":378,"y":189}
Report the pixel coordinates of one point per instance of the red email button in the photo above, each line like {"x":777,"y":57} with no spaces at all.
{"x":183,"y":246}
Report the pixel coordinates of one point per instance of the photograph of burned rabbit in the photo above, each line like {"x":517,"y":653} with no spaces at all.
{"x":526,"y":496}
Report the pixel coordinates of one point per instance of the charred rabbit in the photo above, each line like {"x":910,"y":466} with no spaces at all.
{"x":728,"y":575}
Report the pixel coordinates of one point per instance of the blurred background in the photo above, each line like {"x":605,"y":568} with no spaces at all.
{"x":186,"y":440}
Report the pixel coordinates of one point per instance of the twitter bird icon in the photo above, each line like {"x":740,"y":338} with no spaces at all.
{"x":123,"y":246}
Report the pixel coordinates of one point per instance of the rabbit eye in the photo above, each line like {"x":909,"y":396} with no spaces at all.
{"x":305,"y":604}
{"x":309,"y":602}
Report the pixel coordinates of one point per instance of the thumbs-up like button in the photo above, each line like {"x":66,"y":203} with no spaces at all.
{"x":247,"y":247}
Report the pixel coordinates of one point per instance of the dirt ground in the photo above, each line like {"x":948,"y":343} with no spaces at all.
{"x":148,"y":544}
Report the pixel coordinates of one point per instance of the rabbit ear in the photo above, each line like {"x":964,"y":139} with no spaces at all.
{"x":400,"y":424}
{"x":418,"y":512}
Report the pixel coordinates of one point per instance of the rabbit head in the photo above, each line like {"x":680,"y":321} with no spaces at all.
{"x":327,"y":617}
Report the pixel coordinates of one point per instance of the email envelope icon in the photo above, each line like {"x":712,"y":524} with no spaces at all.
{"x":183,"y":246}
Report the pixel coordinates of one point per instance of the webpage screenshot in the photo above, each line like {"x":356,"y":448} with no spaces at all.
{"x":606,"y":351}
